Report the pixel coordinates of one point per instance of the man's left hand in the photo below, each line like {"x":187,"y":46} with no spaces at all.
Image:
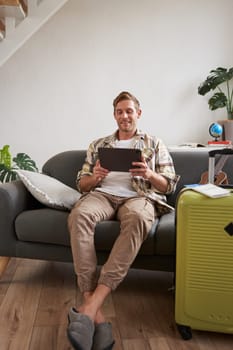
{"x":141,"y":169}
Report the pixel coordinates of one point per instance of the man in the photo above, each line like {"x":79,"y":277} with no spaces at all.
{"x":135,"y":198}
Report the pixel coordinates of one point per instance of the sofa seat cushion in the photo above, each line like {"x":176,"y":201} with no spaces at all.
{"x":49,"y":226}
{"x":43,"y":225}
{"x":165,"y":242}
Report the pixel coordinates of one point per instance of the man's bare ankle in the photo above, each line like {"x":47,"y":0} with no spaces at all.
{"x":99,"y":317}
{"x":87,"y":311}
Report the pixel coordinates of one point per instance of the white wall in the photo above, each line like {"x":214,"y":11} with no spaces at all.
{"x":57,"y":90}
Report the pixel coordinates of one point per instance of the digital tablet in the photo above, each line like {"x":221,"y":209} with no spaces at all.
{"x":118,"y":159}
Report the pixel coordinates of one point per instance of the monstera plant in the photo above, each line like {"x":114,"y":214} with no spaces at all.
{"x":219,"y":80}
{"x":9,"y":165}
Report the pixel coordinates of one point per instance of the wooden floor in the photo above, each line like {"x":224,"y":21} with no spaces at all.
{"x":35,"y":297}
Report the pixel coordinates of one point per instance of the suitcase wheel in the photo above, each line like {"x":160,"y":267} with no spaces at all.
{"x":185,"y":331}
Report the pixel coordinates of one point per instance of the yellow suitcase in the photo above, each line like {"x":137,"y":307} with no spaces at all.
{"x":204,"y":263}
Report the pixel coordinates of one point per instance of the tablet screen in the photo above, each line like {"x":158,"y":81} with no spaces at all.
{"x":118,"y":159}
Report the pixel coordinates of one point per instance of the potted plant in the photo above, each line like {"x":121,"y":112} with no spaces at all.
{"x":219,"y":81}
{"x":8,"y":166}
{"x":223,"y":97}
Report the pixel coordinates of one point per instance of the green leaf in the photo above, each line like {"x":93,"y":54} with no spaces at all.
{"x":219,"y":100}
{"x":5,"y":156}
{"x":7,"y":174}
{"x":23,"y":161}
{"x":216,"y":77}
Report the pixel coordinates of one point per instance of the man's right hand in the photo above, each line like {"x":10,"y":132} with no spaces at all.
{"x":99,"y":172}
{"x":87,"y":182}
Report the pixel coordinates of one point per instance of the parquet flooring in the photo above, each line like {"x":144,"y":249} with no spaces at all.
{"x":35,"y":297}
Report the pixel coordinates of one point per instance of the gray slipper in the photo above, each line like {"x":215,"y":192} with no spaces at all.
{"x":103,"y":339}
{"x":80,"y":330}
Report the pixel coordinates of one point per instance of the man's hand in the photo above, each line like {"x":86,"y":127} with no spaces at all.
{"x":141,"y":169}
{"x":87,"y":183}
{"x":99,"y":173}
{"x":157,"y":180}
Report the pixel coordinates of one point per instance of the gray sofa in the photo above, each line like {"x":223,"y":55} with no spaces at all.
{"x":30,"y":230}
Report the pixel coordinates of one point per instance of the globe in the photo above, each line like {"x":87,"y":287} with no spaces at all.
{"x":215,"y":130}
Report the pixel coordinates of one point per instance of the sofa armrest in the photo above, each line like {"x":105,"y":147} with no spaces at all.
{"x":14,"y":198}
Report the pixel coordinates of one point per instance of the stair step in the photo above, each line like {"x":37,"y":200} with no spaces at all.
{"x":11,"y":8}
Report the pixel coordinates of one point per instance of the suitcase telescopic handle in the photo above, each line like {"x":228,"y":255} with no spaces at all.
{"x":212,"y":154}
{"x":220,"y":151}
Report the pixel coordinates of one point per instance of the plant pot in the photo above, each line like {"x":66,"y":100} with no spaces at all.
{"x":227,"y":129}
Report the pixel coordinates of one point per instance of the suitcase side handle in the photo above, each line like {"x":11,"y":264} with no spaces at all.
{"x":220,"y":151}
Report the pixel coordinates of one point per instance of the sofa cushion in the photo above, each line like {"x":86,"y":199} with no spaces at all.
{"x":165,"y":242}
{"x":43,"y":225}
{"x":50,"y":226}
{"x":49,"y":191}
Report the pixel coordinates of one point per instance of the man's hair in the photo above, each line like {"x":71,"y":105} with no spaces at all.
{"x":125,"y":95}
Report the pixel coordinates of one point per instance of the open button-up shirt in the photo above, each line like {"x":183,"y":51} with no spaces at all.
{"x":157,"y":157}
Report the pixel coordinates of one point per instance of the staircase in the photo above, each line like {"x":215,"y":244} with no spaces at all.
{"x":20,"y":19}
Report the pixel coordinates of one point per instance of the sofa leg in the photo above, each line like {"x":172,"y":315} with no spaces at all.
{"x":3,"y":264}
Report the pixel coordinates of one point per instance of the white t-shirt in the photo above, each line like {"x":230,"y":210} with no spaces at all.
{"x":118,"y":183}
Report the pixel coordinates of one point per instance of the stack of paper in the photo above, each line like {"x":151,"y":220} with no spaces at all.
{"x":210,"y":190}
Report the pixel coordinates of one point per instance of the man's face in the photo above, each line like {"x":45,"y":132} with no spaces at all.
{"x":126,"y":116}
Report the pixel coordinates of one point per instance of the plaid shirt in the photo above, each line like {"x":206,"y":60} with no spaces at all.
{"x":157,"y":157}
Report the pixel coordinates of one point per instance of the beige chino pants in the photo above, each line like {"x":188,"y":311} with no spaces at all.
{"x":136,"y":216}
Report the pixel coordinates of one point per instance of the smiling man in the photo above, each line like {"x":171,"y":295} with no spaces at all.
{"x":135,"y":198}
